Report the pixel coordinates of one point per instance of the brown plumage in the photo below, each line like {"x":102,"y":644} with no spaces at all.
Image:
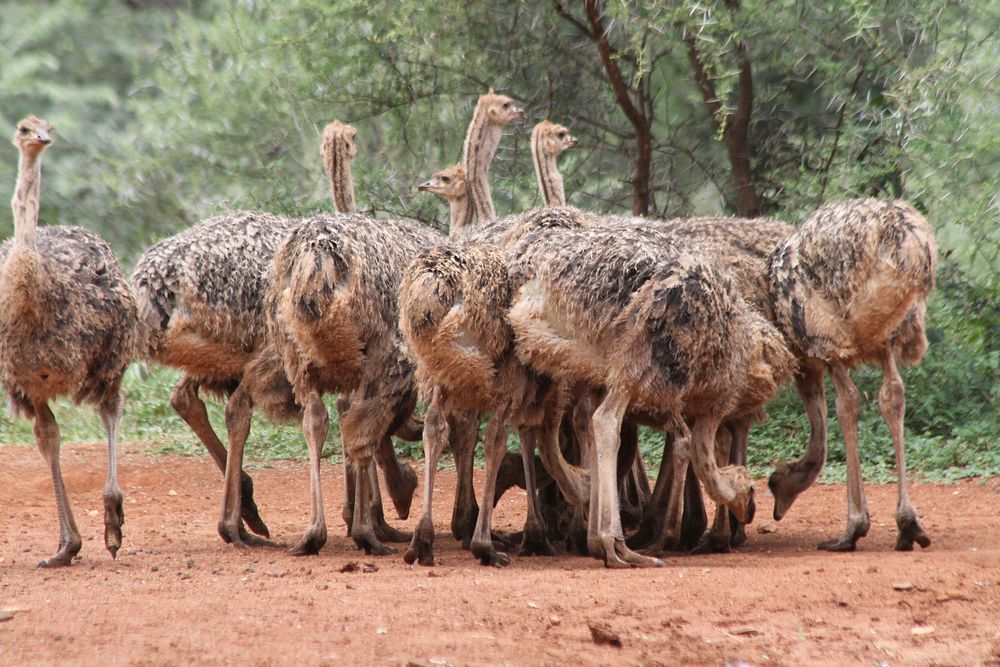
{"x":453,"y":307}
{"x":200,"y":295}
{"x":666,"y":335}
{"x":850,"y":286}
{"x":67,"y":328}
{"x":333,"y":317}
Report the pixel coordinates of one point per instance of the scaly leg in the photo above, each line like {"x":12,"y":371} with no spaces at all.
{"x":671,"y":525}
{"x":717,"y":539}
{"x":315,"y":426}
{"x":383,"y":530}
{"x":239,"y":408}
{"x":605,"y":537}
{"x":848,"y":409}
{"x":892,"y":403}
{"x":436,"y":435}
{"x":791,"y":478}
{"x":494,"y":446}
{"x":535,"y":542}
{"x":464,"y":428}
{"x":114,"y":512}
{"x":47,"y":440}
{"x":186,"y":403}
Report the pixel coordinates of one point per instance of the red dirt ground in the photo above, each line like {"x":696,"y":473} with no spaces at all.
{"x":178,"y":595}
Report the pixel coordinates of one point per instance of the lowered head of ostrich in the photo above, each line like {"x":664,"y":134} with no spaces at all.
{"x":338,"y":134}
{"x":552,"y":138}
{"x":33,"y":134}
{"x":499,"y":110}
{"x":449,"y":184}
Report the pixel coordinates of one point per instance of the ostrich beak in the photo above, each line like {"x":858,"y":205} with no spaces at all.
{"x":571,"y":141}
{"x":427,"y":186}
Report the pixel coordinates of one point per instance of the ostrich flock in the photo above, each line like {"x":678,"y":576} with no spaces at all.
{"x":571,"y":327}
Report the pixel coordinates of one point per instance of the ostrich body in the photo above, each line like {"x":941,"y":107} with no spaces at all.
{"x":333,"y":316}
{"x":850,"y":286}
{"x":664,"y":334}
{"x":67,"y":328}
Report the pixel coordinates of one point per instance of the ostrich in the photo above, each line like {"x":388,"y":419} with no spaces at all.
{"x":548,"y":141}
{"x":200,"y":296}
{"x":850,"y":286}
{"x":332,"y":316}
{"x":67,"y":327}
{"x":339,"y":149}
{"x":664,"y":334}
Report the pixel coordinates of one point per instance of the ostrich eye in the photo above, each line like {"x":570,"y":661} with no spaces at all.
{"x":506,"y":105}
{"x":445,"y":179}
{"x":23,"y":130}
{"x":562,"y":135}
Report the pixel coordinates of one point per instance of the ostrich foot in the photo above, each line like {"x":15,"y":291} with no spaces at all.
{"x":386,"y":533}
{"x":237,"y":535}
{"x":463,"y":522}
{"x":535,"y":543}
{"x":114,"y":517}
{"x":710,"y":543}
{"x":248,"y":508}
{"x":848,"y":540}
{"x":312,"y":541}
{"x":67,"y":551}
{"x":371,"y":545}
{"x":910,"y":532}
{"x":402,"y":492}
{"x":617,"y":555}
{"x":421,"y":549}
{"x":488,"y":555}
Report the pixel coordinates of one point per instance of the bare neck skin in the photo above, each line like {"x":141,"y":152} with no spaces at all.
{"x":550,"y":181}
{"x":26,"y":198}
{"x":481,"y":143}
{"x":338,"y":165}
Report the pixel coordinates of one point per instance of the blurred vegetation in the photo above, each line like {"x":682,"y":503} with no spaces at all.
{"x":167,"y":111}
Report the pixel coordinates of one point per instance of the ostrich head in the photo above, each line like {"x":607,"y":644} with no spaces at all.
{"x":554,"y":138}
{"x":500,"y":109}
{"x":32,"y":135}
{"x":449,"y":184}
{"x":339,"y":134}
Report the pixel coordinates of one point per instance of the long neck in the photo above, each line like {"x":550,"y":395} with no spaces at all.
{"x":481,"y":144}
{"x":461,"y":214}
{"x":550,"y":181}
{"x":26,"y":199}
{"x":338,"y":165}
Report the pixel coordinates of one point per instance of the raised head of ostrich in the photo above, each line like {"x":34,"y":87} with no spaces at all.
{"x":548,"y":141}
{"x":451,"y":185}
{"x":663,"y":333}
{"x":850,"y":286}
{"x":338,"y":150}
{"x":493,"y":113}
{"x":67,"y":328}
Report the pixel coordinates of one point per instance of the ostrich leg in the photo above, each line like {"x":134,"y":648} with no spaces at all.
{"x":114,"y":513}
{"x":47,"y":440}
{"x":315,"y":425}
{"x":848,"y":409}
{"x":436,"y":435}
{"x":892,"y":403}
{"x":185,"y":401}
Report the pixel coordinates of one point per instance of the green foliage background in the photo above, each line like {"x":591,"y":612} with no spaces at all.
{"x":168,"y":111}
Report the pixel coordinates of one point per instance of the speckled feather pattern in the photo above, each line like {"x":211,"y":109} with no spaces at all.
{"x":77,"y":334}
{"x":332,"y":303}
{"x":633,"y":308}
{"x":854,"y":275}
{"x":203,"y":289}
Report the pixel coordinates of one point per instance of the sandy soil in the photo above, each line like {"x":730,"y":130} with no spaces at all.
{"x":178,"y":595}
